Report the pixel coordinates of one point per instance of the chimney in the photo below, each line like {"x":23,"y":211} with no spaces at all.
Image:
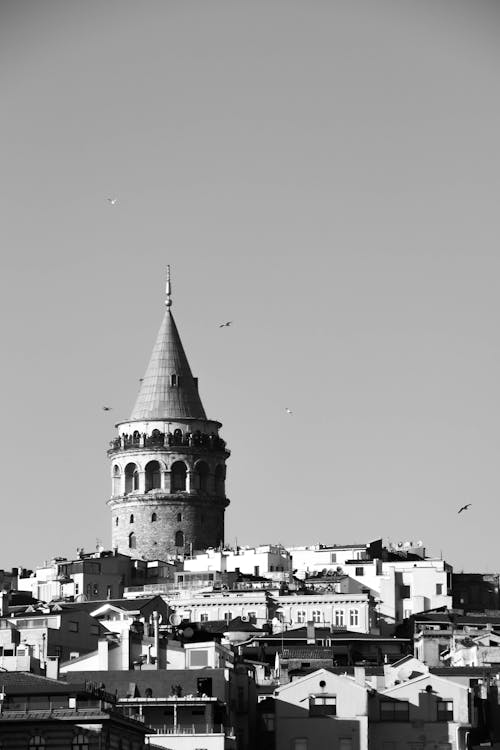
{"x":360,"y":676}
{"x":311,"y":635}
{"x":52,"y":667}
{"x":103,"y":654}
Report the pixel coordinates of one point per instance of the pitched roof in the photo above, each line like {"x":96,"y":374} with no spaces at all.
{"x":18,"y":683}
{"x":158,"y":398}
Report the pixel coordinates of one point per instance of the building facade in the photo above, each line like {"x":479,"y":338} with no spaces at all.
{"x":168,"y":463}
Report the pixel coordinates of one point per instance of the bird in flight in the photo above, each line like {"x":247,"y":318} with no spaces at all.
{"x":113,"y":201}
{"x":289,"y":411}
{"x":225,"y":325}
{"x":465,"y":507}
{"x":107,"y":408}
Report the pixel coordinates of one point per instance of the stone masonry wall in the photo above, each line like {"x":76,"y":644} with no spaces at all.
{"x":202,"y":523}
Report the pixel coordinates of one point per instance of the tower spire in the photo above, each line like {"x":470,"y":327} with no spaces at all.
{"x":168,"y":290}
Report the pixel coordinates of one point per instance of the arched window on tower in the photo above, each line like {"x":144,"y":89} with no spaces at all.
{"x":179,"y":539}
{"x":178,"y":476}
{"x":153,"y":476}
{"x":201,"y":472}
{"x":132,"y":542}
{"x":153,"y":517}
{"x":220,"y":476}
{"x":131,"y":478}
{"x":131,"y":518}
{"x":179,"y":517}
{"x":116,"y":479}
{"x":116,"y":521}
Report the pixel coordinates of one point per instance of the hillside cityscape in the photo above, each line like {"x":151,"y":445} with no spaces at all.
{"x":170,"y":638}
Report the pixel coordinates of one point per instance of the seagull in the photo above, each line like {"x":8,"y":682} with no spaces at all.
{"x":465,"y":507}
{"x":113,"y":201}
{"x":225,"y":325}
{"x":107,"y":408}
{"x":289,"y":411}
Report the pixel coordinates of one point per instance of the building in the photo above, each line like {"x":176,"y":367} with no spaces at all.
{"x":427,"y":711}
{"x":401,"y":577}
{"x":476,"y":591}
{"x":54,"y":630}
{"x":322,"y":710}
{"x":95,"y":575}
{"x":168,"y":463}
{"x":268,"y":560}
{"x":197,"y":707}
{"x":36,"y":712}
{"x":435,"y":633}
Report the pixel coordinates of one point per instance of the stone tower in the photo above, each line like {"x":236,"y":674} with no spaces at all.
{"x":168,"y":463}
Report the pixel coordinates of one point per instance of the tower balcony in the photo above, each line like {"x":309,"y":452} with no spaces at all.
{"x":169,"y":441}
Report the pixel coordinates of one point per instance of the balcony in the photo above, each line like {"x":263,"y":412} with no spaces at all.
{"x":167,"y":441}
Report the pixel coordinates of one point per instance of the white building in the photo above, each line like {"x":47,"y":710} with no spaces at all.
{"x":269,"y":560}
{"x":218,"y":606}
{"x":354,"y":612}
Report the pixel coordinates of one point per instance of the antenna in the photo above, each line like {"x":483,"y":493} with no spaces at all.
{"x":168,"y":290}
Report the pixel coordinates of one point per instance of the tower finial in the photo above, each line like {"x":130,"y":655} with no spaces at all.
{"x":168,"y":289}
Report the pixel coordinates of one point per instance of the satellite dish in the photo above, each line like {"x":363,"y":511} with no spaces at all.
{"x":175,"y":619}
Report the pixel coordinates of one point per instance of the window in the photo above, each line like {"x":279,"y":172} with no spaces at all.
{"x":132,"y":542}
{"x":394,"y":710}
{"x":200,"y":478}
{"x":36,"y":741}
{"x":353,"y":617}
{"x":173,"y":380}
{"x":73,"y":627}
{"x":198,"y":657}
{"x":131,"y":519}
{"x":299,"y":744}
{"x":444,"y":710}
{"x":131,"y":478}
{"x":152,"y":476}
{"x":333,"y":557}
{"x":316,"y":615}
{"x":179,"y":517}
{"x":228,"y":616}
{"x":80,"y":742}
{"x":439,"y":589}
{"x":178,"y":474}
{"x":203,"y":617}
{"x":360,"y":571}
{"x":404,"y":592}
{"x":77,"y":588}
{"x":116,"y":521}
{"x":339,"y":618}
{"x":220,"y":475}
{"x":323,"y":705}
{"x":179,"y":539}
{"x":154,"y":517}
{"x":252,"y":617}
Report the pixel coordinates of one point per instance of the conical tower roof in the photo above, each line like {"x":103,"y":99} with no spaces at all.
{"x":162,"y":396}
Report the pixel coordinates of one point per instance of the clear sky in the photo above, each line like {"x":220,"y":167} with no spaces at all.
{"x":326,"y":174}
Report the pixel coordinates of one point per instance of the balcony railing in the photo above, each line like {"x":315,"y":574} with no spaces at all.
{"x":195,"y":729}
{"x":164,"y":440}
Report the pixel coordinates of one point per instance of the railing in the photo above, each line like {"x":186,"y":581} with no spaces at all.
{"x":167,"y":440}
{"x":195,"y":729}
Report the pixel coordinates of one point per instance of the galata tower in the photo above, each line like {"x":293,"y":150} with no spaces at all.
{"x":168,"y":463}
